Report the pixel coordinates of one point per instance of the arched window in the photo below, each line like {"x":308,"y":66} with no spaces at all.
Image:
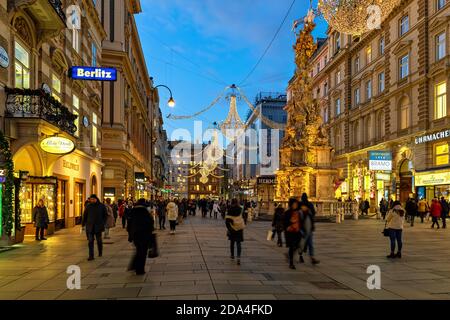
{"x":404,"y":113}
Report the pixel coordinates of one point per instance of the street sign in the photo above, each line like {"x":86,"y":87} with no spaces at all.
{"x":380,"y":160}
{"x":93,"y":73}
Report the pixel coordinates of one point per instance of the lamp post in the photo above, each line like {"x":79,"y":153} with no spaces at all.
{"x":171,"y":101}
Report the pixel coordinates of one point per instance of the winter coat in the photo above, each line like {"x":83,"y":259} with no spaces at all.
{"x":292,"y":227}
{"x":423,"y":206}
{"x":172,"y":211}
{"x":445,"y":208}
{"x":141,"y":225}
{"x":234,"y":235}
{"x":395,"y":218}
{"x":110,"y":217}
{"x":278,"y":220}
{"x":411,"y":208}
{"x":436,"y":209}
{"x":94,"y":217}
{"x":307,"y":223}
{"x":40,"y":217}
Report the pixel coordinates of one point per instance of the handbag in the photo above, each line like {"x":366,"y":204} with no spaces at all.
{"x":386,"y":230}
{"x":153,"y":251}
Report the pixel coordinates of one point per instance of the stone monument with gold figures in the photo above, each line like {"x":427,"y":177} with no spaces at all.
{"x":305,"y":151}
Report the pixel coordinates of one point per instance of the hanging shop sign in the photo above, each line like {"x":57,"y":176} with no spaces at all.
{"x":57,"y":145}
{"x":383,"y":176}
{"x":380,"y":160}
{"x":433,"y":136}
{"x":4,"y":58}
{"x":93,"y":73}
{"x":267,"y":180}
{"x":432,"y":179}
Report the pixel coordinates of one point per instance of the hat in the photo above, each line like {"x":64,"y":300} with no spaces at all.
{"x":93,"y":196}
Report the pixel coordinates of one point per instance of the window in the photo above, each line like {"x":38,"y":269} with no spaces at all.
{"x":94,"y":55}
{"x":325,"y":114}
{"x":325,"y":89}
{"x":338,"y":106}
{"x":357,"y":96}
{"x":318,"y":67}
{"x":440,"y":4}
{"x":368,"y":90}
{"x":357,"y":65}
{"x":94,"y":130}
{"x":326,"y":60}
{"x":440,"y":46}
{"x":404,"y":25}
{"x":368,"y":54}
{"x":404,"y":114}
{"x":56,"y":88}
{"x":440,"y":100}
{"x":337,"y":42}
{"x":381,"y":85}
{"x":441,"y":154}
{"x":22,"y":67}
{"x":382,"y":46}
{"x":404,"y":66}
{"x":76,"y":108}
{"x":338,"y":77}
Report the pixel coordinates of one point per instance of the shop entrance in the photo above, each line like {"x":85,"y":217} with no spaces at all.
{"x":405,"y":181}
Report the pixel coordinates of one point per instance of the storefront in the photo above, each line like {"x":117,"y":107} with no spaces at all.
{"x":433,"y":184}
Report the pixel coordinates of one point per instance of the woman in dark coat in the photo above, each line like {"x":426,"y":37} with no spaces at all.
{"x":235,"y":225}
{"x":140,"y":233}
{"x":292,"y":229}
{"x":278,"y":224}
{"x":40,"y":219}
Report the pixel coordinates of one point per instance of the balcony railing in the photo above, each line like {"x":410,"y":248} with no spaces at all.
{"x":28,"y":103}
{"x":57,"y":4}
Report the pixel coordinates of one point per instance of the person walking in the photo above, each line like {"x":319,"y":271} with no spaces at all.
{"x":162,"y":214}
{"x":93,"y":221}
{"x":278,"y":224}
{"x":40,"y":220}
{"x":109,"y":219}
{"x":235,"y":229}
{"x":394,"y":223}
{"x":423,"y":208}
{"x":383,"y":208}
{"x":140,"y":233}
{"x":292,"y":229}
{"x":366,"y":207}
{"x":411,"y":210}
{"x":172,"y":215}
{"x":121,"y":211}
{"x":115,"y":209}
{"x":436,"y":212}
{"x":445,"y":210}
{"x":307,"y":225}
{"x":216,"y":209}
{"x":204,"y":207}
{"x":245,"y":210}
{"x":309,"y":204}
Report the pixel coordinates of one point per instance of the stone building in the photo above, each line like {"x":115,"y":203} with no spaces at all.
{"x":386,"y":92}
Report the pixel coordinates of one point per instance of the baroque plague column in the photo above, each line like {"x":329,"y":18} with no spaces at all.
{"x":305,"y":152}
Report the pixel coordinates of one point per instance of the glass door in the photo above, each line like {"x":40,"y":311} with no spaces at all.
{"x":61,"y":204}
{"x":79,"y":201}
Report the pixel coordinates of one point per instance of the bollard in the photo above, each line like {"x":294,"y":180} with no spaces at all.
{"x":338,"y":218}
{"x":342,"y":215}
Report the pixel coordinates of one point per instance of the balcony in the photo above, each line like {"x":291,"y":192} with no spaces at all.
{"x":37,"y":104}
{"x":49,"y":14}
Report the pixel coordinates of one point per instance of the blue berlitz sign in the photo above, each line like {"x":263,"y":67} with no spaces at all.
{"x":93,"y":73}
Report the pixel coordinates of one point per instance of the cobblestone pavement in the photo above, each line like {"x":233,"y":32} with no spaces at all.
{"x":195,"y":264}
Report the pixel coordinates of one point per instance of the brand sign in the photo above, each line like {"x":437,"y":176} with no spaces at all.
{"x":71,"y":165}
{"x":109,"y":192}
{"x":139,"y":176}
{"x":266,"y":180}
{"x":4,"y":58}
{"x":431,"y":179}
{"x":93,"y":73}
{"x":433,"y":136}
{"x":380,"y":160}
{"x":383,"y":176}
{"x":57,"y":145}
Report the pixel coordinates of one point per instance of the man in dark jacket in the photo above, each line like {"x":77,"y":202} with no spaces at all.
{"x":445,"y":210}
{"x":94,"y":219}
{"x":411,"y":210}
{"x":140,"y":233}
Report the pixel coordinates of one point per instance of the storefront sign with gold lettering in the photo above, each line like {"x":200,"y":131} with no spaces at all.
{"x":432,"y":179}
{"x":71,"y":165}
{"x":57,"y":145}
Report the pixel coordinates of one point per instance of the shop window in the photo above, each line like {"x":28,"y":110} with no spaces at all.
{"x":440,"y":100}
{"x":441,"y":154}
{"x":22,"y":67}
{"x":56,"y":86}
{"x":79,"y":201}
{"x":440,"y":46}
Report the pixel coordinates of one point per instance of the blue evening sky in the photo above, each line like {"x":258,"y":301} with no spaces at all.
{"x":197,"y":47}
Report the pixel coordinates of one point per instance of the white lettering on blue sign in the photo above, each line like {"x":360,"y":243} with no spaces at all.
{"x":93,"y":73}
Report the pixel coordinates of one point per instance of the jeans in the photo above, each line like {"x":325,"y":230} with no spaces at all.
{"x":412,"y":220}
{"x":138,"y":261}
{"x":435,"y":221}
{"x":396,"y":235}
{"x":39,"y":233}
{"x":422,"y":216}
{"x":238,"y":246}
{"x":124,"y":222}
{"x":444,"y":222}
{"x":98,"y":237}
{"x":162,"y":222}
{"x":308,"y":245}
{"x":291,"y":254}
{"x":280,"y":237}
{"x":173,"y":224}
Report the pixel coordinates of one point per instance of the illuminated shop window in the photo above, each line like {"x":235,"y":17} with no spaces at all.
{"x":441,"y":154}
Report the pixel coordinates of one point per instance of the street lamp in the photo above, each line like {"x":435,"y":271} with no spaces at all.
{"x":171,"y":101}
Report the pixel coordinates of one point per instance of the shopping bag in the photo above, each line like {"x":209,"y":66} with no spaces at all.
{"x":153,"y":251}
{"x":270,"y":235}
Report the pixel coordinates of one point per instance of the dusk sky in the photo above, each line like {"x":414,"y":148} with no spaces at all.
{"x":198,"y":47}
